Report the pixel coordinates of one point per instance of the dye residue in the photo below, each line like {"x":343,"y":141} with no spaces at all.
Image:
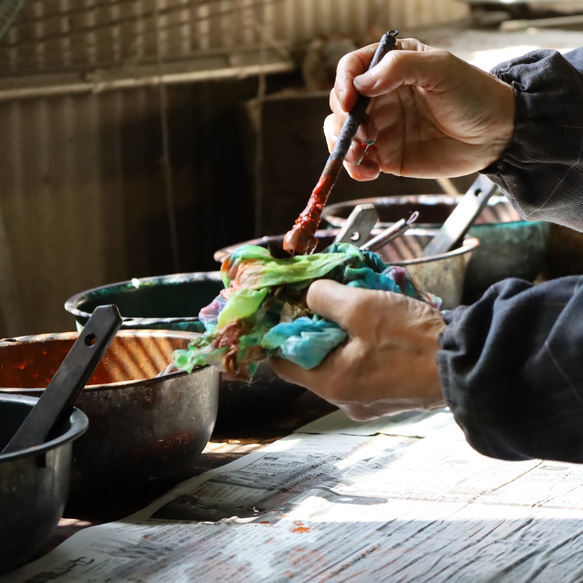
{"x":300,"y":528}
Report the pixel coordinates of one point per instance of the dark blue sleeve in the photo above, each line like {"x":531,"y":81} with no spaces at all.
{"x":511,"y":368}
{"x":541,"y":170}
{"x":511,"y":365}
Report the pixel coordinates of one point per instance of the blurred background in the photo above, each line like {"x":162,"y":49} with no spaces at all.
{"x":139,"y":136}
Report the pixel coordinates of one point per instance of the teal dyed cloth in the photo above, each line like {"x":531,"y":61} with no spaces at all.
{"x":261,"y":311}
{"x":305,"y":341}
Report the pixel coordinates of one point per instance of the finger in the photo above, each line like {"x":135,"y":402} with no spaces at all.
{"x":316,"y":380}
{"x":357,"y":149}
{"x":336,"y":302}
{"x":367,"y":132}
{"x":335,"y":105}
{"x":365,"y":171}
{"x":350,"y":66}
{"x":357,"y":164}
{"x":356,"y":63}
{"x":331,"y":382}
{"x":415,"y":66}
{"x":332,"y":126}
{"x":356,"y":152}
{"x":411,"y":44}
{"x":295,"y":374}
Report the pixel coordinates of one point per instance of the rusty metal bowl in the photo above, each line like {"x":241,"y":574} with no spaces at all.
{"x":509,"y":246}
{"x":34,"y":483}
{"x":142,"y":427}
{"x":433,"y":209}
{"x":442,"y":275}
{"x":173,"y":302}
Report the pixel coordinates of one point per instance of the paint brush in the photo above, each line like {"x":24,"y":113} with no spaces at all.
{"x":301,"y":239}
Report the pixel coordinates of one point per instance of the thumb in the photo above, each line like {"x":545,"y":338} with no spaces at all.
{"x":326,"y":297}
{"x":345,"y":305}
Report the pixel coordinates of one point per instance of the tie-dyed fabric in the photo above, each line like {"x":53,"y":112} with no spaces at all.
{"x":261,"y":311}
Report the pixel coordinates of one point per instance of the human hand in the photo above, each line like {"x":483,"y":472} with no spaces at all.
{"x":388,"y":362}
{"x":433,"y":115}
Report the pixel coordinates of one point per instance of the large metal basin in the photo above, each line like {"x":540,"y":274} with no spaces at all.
{"x":509,"y":246}
{"x":442,"y":275}
{"x":142,"y":427}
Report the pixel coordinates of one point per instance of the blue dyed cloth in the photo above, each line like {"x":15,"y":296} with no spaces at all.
{"x":305,"y":341}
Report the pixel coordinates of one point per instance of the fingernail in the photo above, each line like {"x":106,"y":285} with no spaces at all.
{"x":364,"y":81}
{"x":358,"y":153}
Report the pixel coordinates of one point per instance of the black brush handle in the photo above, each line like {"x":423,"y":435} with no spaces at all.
{"x":356,"y":115}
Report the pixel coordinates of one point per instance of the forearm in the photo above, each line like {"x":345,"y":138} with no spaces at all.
{"x":510,"y":369}
{"x":541,"y":168}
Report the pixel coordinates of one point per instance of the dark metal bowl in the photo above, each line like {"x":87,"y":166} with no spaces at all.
{"x":509,"y":246}
{"x":166,"y":302}
{"x":143,"y":427}
{"x":172,"y":302}
{"x":442,"y":275}
{"x":34,"y":483}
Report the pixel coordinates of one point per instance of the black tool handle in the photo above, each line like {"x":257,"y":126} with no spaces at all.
{"x":57,"y":400}
{"x":356,"y":115}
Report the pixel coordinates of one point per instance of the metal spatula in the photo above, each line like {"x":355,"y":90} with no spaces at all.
{"x":358,"y":225}
{"x":57,"y":400}
{"x":454,"y":228}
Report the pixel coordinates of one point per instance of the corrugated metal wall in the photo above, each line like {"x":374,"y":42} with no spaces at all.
{"x":53,"y":35}
{"x":102,"y":186}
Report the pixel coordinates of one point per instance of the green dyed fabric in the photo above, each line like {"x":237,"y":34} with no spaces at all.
{"x":261,"y":311}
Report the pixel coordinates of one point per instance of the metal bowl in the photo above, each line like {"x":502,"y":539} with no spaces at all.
{"x":142,"y":427}
{"x":172,"y":302}
{"x":166,"y":302}
{"x":34,"y":483}
{"x":442,"y":275}
{"x":509,"y":246}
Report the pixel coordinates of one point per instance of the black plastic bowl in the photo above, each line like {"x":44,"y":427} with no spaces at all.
{"x":34,"y":483}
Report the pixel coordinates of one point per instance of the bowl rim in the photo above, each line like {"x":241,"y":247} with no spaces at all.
{"x":145,"y":382}
{"x":412,"y":199}
{"x":134,"y":284}
{"x":401,"y":198}
{"x":79,"y":423}
{"x":469,"y":244}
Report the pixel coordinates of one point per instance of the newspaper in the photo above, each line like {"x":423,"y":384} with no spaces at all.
{"x":403,"y":498}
